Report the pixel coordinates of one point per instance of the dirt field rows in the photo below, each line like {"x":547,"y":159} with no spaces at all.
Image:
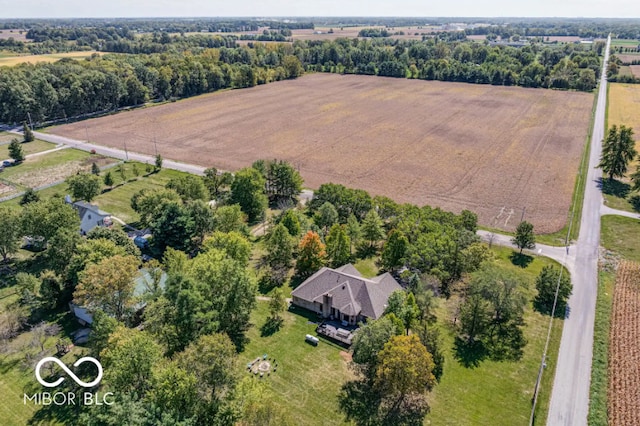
{"x":624,"y":348}
{"x":494,"y":150}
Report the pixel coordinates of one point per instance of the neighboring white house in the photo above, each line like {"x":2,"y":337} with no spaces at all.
{"x":90,"y":216}
{"x":343,"y":294}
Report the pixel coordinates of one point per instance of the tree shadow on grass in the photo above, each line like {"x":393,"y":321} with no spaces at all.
{"x":545,"y":308}
{"x":469,"y":354}
{"x":271,"y":326}
{"x":614,"y":187}
{"x":520,"y":259}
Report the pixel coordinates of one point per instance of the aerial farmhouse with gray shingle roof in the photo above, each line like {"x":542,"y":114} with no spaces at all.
{"x":344,"y":294}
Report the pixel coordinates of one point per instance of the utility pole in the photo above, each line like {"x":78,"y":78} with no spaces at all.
{"x":30,"y":122}
{"x":524,"y":209}
{"x":126,"y":153}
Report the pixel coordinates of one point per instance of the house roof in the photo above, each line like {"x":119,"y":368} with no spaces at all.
{"x":351,"y":293}
{"x":83,"y":207}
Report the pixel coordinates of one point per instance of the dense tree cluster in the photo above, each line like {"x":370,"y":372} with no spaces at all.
{"x":71,"y":88}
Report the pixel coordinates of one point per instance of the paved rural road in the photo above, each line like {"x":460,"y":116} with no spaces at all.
{"x":116,"y":153}
{"x":570,"y":396}
{"x":605,"y":211}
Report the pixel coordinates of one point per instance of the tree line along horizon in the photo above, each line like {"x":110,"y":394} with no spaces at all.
{"x":195,"y":326}
{"x":182,"y":66}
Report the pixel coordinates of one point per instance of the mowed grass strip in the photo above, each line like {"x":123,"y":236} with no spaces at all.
{"x":496,"y":393}
{"x":308,"y":379}
{"x":28,"y":148}
{"x":599,"y":366}
{"x":622,"y":235}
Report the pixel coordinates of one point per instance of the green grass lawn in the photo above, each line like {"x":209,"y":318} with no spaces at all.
{"x":28,"y":148}
{"x":118,"y":200}
{"x":599,"y":366}
{"x":622,"y":235}
{"x":308,"y":378}
{"x":624,"y":42}
{"x":367,"y":267}
{"x":496,"y":393}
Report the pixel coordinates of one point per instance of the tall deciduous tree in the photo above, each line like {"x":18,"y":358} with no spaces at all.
{"x":44,"y":218}
{"x":233,"y":244}
{"x":247,"y":191}
{"x":84,"y":186}
{"x":217,"y":183}
{"x":129,"y":359}
{"x":493,"y":312}
{"x":338,"y":246}
{"x":213,"y":360}
{"x":172,"y":227}
{"x":311,"y":254}
{"x":546,"y":283}
{"x":203,"y":220}
{"x":118,"y":236}
{"x":109,"y":285}
{"x":525,"y":238}
{"x":618,"y":150}
{"x":149,"y":204}
{"x":230,"y":218}
{"x":189,"y":187}
{"x":368,"y":341}
{"x":10,"y":232}
{"x":404,"y":367}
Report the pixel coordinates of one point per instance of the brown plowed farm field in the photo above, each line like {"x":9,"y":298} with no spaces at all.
{"x":624,"y":348}
{"x":494,"y":150}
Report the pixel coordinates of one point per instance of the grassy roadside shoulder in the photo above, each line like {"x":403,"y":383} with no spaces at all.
{"x":599,"y":366}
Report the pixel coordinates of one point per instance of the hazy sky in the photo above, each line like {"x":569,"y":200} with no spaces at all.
{"x":153,"y":8}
